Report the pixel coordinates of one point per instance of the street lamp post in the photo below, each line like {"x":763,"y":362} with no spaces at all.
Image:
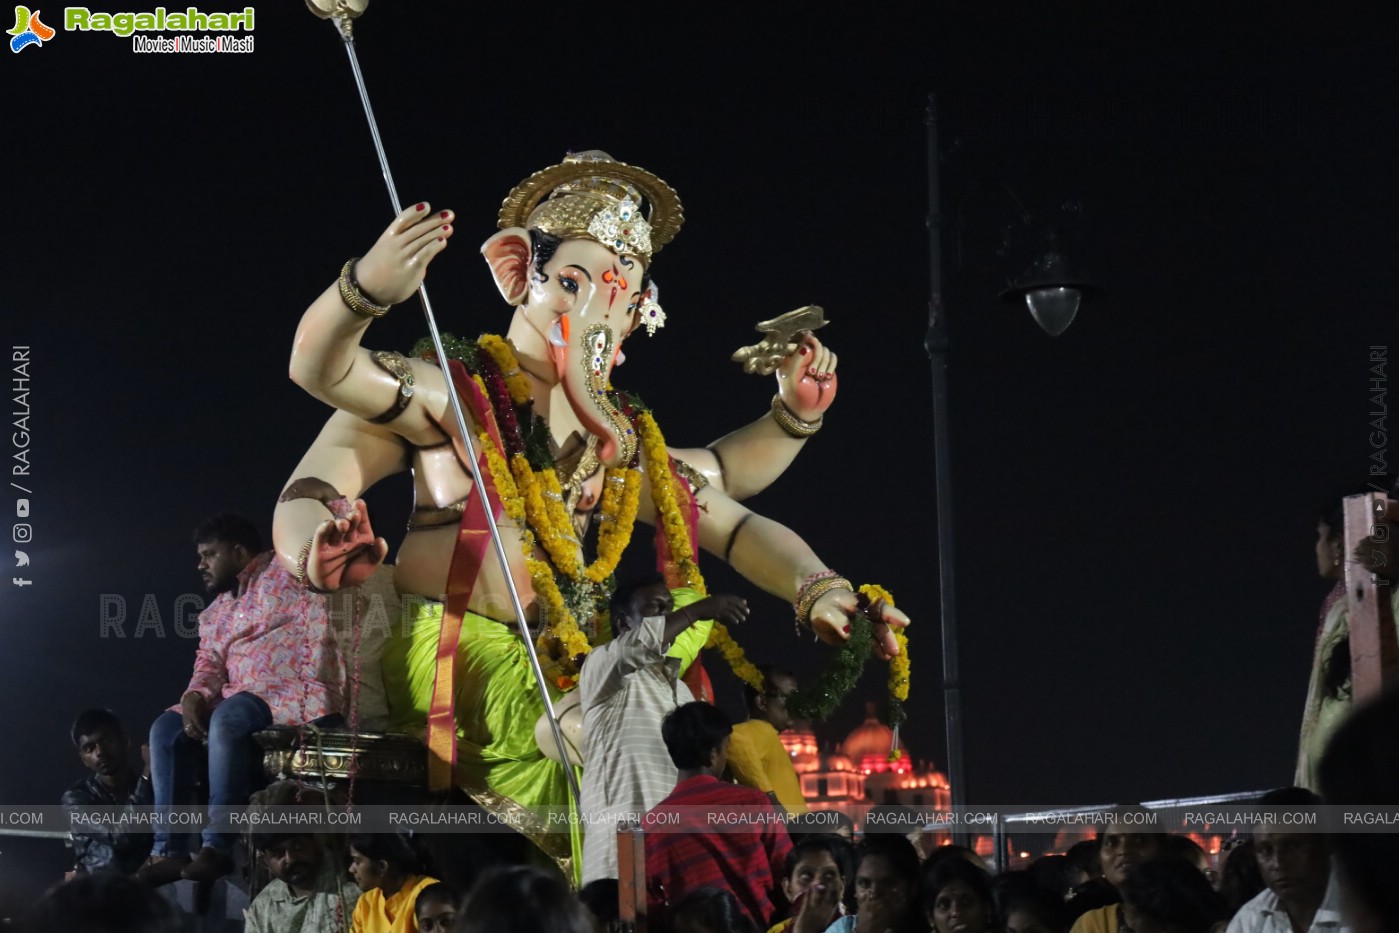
{"x":1052,"y":293}
{"x":935,"y":342}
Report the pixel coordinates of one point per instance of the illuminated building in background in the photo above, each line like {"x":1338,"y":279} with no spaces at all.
{"x":857,"y":774}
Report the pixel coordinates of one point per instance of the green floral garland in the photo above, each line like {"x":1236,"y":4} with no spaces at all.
{"x":819,"y":700}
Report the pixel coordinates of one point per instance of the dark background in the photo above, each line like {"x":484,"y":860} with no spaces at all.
{"x":1135,"y":499}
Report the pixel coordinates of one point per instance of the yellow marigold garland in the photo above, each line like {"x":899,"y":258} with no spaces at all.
{"x":560,"y":545}
{"x":898,"y":665}
{"x":504,"y":483}
{"x":743,"y":668}
{"x":564,"y":626}
{"x":562,"y":623}
{"x":544,"y":494}
{"x":504,"y":355}
{"x":534,"y":499}
{"x":558,"y":517}
{"x":898,"y":670}
{"x":677,"y":535}
{"x":673,"y":525}
{"x":621,"y":496}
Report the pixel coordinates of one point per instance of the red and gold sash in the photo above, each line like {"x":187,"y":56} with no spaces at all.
{"x":473,"y":540}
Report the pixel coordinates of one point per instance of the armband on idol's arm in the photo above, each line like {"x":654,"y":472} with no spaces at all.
{"x":396,"y":365}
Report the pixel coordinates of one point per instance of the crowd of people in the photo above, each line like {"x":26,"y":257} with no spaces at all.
{"x":776,"y":875}
{"x":648,"y":746}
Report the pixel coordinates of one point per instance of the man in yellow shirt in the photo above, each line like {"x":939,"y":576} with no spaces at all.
{"x":757,"y":757}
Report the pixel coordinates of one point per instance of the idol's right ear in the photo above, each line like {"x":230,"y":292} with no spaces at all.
{"x":509,"y":254}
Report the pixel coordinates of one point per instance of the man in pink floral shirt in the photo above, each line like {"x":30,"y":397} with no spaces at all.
{"x":267,"y":655}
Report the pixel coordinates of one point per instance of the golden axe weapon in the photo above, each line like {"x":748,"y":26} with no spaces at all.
{"x":343,"y":13}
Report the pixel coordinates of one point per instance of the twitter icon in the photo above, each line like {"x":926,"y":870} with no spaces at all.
{"x":21,"y":559}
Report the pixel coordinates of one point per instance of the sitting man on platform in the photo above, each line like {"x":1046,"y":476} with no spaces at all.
{"x":104,"y":748}
{"x":757,"y":757}
{"x":691,"y":844}
{"x":627,"y":687}
{"x":267,"y":655}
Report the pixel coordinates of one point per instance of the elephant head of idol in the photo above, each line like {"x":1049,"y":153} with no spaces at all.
{"x":572,"y":256}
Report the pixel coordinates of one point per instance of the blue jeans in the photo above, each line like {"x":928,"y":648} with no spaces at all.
{"x":235,"y":766}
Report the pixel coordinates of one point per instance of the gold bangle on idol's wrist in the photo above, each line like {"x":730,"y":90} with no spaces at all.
{"x":813,"y":591}
{"x":355,"y":299}
{"x":794,"y":426}
{"x":302,"y":559}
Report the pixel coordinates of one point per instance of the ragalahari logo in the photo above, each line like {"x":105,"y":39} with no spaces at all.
{"x":29,"y":30}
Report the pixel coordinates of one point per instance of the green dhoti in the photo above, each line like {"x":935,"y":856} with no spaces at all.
{"x":497,"y":704}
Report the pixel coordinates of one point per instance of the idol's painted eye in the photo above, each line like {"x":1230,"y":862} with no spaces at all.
{"x":568,"y":285}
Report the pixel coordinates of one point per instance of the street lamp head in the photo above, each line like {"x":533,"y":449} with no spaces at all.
{"x":1053,"y":307}
{"x":1051,"y":291}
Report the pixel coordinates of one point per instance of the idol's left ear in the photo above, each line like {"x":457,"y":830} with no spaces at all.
{"x":509,"y":254}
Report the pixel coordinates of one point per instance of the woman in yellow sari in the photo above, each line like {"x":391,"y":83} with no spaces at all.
{"x":390,"y":872}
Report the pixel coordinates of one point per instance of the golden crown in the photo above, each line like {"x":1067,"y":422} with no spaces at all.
{"x":592,"y":195}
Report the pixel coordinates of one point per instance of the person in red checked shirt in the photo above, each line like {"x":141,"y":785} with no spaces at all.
{"x":708,"y":833}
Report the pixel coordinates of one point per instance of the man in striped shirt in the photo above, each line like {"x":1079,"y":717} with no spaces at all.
{"x":627,"y":686}
{"x":709,"y":833}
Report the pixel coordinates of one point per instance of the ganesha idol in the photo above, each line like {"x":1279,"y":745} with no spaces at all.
{"x":561,"y":451}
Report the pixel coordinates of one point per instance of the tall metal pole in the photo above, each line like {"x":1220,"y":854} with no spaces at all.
{"x":343,"y":17}
{"x":936,"y":344}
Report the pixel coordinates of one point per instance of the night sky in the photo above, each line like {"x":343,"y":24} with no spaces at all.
{"x":1135,"y":500}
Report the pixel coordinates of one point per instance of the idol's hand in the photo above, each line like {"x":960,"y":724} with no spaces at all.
{"x":344,"y":552}
{"x":830,"y":620}
{"x":806,"y":379}
{"x":395,"y":266}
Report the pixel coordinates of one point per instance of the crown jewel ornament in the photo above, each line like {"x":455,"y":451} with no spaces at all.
{"x":591,"y":195}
